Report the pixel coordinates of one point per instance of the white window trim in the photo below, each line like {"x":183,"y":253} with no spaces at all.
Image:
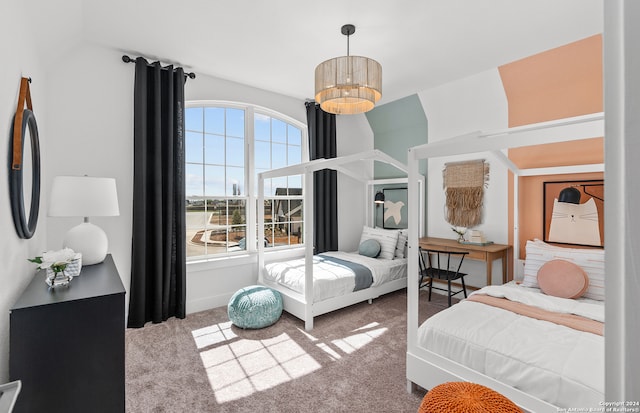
{"x":205,"y":262}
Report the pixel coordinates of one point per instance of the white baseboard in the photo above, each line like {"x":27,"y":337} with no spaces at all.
{"x":207,"y":303}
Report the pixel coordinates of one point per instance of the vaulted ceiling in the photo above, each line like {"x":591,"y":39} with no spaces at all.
{"x":276,"y":44}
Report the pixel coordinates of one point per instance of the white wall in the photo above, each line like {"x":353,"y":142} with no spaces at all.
{"x":20,"y":58}
{"x":90,"y":101}
{"x":475,"y":103}
{"x":354,"y":135}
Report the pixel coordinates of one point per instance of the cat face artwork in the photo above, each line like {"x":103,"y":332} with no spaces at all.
{"x":575,"y":223}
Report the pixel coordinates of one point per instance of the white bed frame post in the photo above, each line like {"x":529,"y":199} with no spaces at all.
{"x":309,"y":246}
{"x":414,"y":231}
{"x":260,"y":235}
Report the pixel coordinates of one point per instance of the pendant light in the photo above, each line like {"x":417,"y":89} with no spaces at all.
{"x":348,"y":85}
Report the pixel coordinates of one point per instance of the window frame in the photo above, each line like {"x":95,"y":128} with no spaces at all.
{"x":249,"y":254}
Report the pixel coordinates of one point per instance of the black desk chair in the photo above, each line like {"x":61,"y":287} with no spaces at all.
{"x":440,"y":268}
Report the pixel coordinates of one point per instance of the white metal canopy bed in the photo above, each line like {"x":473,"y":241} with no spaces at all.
{"x":316,"y":285}
{"x":476,"y":342}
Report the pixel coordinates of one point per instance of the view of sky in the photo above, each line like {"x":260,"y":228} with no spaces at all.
{"x":215,"y":136}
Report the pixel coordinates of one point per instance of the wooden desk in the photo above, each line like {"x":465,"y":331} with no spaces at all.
{"x":486,"y":253}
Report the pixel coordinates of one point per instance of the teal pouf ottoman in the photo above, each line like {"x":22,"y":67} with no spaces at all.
{"x":255,"y":306}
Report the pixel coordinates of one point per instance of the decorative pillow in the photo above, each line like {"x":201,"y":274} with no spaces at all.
{"x":369,"y":248}
{"x":385,"y":237}
{"x":401,"y":245}
{"x":590,"y":260}
{"x":563,"y":279}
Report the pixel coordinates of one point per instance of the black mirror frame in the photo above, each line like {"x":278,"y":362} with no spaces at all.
{"x":25,"y":229}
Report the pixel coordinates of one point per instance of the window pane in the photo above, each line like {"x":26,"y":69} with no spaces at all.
{"x":279,"y":185}
{"x":237,"y":238}
{"x":195,"y":223}
{"x":217,"y":213}
{"x":294,"y":155}
{"x":268,"y":235}
{"x":295,"y":233}
{"x":268,"y":187}
{"x":214,"y":120}
{"x":218,"y":240}
{"x":295,"y":211}
{"x":294,"y":135}
{"x":295,"y":182}
{"x":237,"y":213}
{"x":263,"y":155}
{"x":214,"y":149}
{"x":278,"y":155}
{"x":262,"y":127}
{"x":193,"y":180}
{"x":193,"y":119}
{"x":193,"y":147}
{"x":278,"y":131}
{"x":268,"y":208}
{"x":235,"y":122}
{"x":235,"y":151}
{"x":235,"y":181}
{"x":214,"y":180}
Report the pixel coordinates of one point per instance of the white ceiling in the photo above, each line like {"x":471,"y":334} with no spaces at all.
{"x":276,"y":44}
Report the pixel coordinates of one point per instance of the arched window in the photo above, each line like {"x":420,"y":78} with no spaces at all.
{"x":226,"y":146}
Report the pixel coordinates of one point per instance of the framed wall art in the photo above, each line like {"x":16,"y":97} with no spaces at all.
{"x":395,"y":208}
{"x":574,"y":212}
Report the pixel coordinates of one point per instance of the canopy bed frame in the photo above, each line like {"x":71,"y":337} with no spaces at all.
{"x":426,"y":368}
{"x":302,"y":305}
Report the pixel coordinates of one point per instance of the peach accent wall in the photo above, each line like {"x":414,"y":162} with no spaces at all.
{"x":563,"y":82}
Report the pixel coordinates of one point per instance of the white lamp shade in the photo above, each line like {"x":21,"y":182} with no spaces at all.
{"x":83,"y":196}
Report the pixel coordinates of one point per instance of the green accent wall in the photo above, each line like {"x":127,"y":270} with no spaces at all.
{"x":397,"y":126}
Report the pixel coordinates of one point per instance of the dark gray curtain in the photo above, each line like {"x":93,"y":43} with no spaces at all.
{"x":158,"y":270}
{"x":322,"y":144}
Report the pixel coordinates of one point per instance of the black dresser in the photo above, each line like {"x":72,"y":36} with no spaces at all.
{"x":67,"y":344}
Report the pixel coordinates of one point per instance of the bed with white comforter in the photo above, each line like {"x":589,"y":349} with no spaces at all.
{"x":552,"y":362}
{"x":330,"y":279}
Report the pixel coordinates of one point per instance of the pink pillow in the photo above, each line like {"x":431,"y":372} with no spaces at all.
{"x":563,"y":279}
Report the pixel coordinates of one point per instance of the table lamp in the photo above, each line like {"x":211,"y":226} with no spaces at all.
{"x":85,"y":196}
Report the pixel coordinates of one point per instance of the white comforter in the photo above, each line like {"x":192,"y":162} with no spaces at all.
{"x":331,"y":280}
{"x":557,"y":364}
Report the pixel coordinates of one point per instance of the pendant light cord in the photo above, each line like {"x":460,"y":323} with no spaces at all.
{"x":348,"y":44}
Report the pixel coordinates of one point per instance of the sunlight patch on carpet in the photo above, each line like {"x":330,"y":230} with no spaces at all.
{"x":357,"y":341}
{"x":238,"y":367}
{"x":242,"y":367}
{"x":217,"y":333}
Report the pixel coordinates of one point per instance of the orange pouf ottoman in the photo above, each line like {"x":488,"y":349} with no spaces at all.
{"x":464,"y":397}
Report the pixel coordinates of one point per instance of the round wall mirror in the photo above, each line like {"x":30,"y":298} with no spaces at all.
{"x":26,"y":178}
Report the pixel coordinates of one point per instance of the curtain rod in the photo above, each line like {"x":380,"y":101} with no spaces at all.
{"x":127,"y":59}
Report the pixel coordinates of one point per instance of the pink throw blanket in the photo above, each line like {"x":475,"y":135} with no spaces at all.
{"x":569,"y":320}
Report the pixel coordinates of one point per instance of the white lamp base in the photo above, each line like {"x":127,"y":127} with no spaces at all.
{"x":89,"y":240}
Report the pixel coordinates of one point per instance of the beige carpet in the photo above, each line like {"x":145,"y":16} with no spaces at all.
{"x":352,"y":361}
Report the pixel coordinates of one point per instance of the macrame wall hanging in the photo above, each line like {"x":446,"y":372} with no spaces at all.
{"x":464,"y":184}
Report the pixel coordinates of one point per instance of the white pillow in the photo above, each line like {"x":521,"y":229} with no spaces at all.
{"x":401,"y":245}
{"x":386,"y":238}
{"x":590,"y":260}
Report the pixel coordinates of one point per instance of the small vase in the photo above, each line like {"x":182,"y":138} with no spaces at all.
{"x":57,"y":279}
